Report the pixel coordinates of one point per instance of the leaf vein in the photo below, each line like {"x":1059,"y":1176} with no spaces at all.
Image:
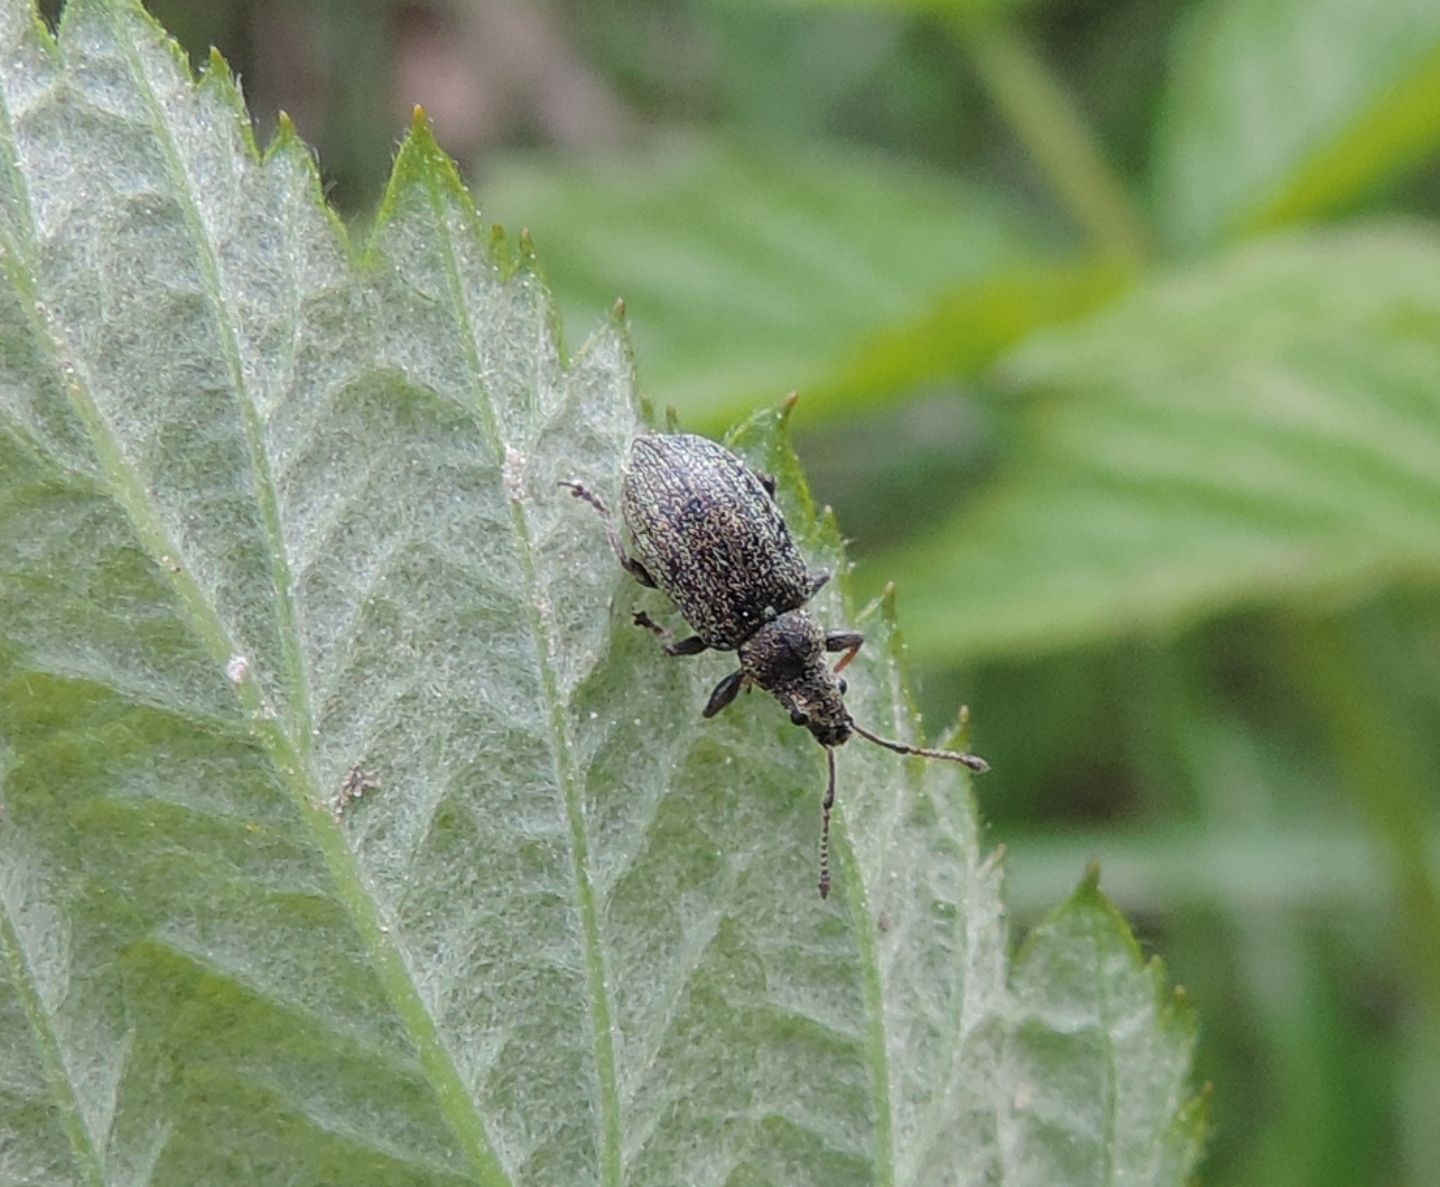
{"x":566,"y":771}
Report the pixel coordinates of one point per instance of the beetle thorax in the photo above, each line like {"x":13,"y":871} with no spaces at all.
{"x":786,"y":657}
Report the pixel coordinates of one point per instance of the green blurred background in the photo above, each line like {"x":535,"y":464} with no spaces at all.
{"x":1117,"y":333}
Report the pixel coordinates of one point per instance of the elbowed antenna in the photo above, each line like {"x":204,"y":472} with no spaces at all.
{"x":826,"y":805}
{"x":973,"y":761}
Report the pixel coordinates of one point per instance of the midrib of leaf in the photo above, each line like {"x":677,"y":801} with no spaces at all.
{"x":611,"y":1169}
{"x":204,"y":621}
{"x":48,"y":1042}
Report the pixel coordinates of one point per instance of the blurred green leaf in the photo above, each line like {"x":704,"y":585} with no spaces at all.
{"x":748,"y":275}
{"x":954,"y":8}
{"x":1259,"y":431}
{"x":1281,"y":110}
{"x":962,"y":332}
{"x":351,"y":833}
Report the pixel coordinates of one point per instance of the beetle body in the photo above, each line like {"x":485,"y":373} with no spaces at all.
{"x":711,"y":537}
{"x":706,"y":531}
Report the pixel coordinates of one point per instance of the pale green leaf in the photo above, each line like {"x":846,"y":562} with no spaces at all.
{"x":1279,"y":110}
{"x":746,"y":275}
{"x":1262,"y":431}
{"x":1090,"y":1023}
{"x":351,"y":833}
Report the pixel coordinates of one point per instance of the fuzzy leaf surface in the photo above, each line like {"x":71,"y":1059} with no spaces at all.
{"x":350,"y":831}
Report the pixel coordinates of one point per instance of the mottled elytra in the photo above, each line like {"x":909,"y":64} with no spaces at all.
{"x":705,"y":531}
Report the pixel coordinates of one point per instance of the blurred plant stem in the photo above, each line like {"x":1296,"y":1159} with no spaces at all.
{"x":1376,"y":760}
{"x":360,"y":73}
{"x":1062,"y":144}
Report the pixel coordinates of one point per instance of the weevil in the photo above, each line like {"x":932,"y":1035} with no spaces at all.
{"x":706,"y":531}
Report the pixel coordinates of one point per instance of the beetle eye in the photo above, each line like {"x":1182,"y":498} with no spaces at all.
{"x":844,"y":688}
{"x":799,"y":718}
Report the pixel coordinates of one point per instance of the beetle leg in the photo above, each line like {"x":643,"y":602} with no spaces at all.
{"x":846,"y":641}
{"x":817,"y":579}
{"x":627,"y":562}
{"x":767,"y":481}
{"x":640,"y":618}
{"x":724,"y":693}
{"x":632,"y":566}
{"x":694,"y":645}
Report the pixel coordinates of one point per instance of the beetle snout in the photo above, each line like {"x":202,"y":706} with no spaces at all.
{"x":829,"y":724}
{"x":831,"y":733}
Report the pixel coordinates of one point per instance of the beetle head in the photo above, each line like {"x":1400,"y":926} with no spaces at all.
{"x":786,"y":657}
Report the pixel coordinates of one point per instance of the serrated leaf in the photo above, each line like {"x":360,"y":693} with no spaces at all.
{"x":1281,"y":110}
{"x":350,"y":831}
{"x":1260,"y":431}
{"x":840,"y":274}
{"x":1094,"y":1026}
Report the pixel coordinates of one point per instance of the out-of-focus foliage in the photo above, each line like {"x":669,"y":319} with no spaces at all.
{"x":1264,"y":427}
{"x":1292,"y":110}
{"x":1150,"y":428}
{"x":806,"y":273}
